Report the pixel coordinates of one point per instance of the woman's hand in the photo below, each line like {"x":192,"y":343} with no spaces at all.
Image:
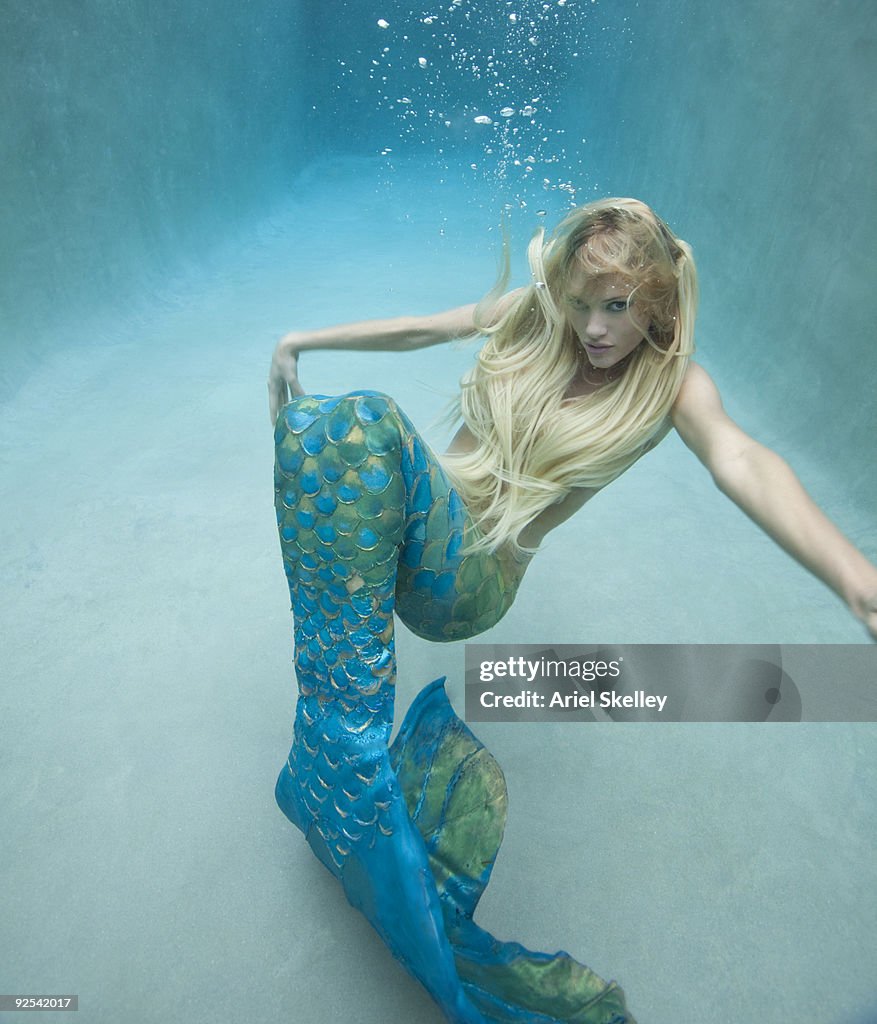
{"x":867,"y":612}
{"x":283,"y":382}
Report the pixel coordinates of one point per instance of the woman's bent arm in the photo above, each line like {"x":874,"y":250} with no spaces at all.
{"x":763,"y":485}
{"x":396,"y":334}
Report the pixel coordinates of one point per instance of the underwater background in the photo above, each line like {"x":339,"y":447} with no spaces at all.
{"x":185,"y":182}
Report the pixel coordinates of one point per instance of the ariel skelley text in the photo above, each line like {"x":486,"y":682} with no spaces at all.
{"x":606,"y":699}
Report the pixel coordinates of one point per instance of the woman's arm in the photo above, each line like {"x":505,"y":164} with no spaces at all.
{"x":397,"y":334}
{"x":763,"y":485}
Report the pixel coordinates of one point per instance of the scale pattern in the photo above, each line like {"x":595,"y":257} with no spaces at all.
{"x":370,"y":526}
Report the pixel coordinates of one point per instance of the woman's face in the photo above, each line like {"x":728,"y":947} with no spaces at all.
{"x":597,"y":308}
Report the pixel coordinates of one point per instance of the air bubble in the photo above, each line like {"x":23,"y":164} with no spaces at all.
{"x":517,"y":61}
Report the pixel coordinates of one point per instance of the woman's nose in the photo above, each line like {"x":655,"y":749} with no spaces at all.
{"x":596,"y":326}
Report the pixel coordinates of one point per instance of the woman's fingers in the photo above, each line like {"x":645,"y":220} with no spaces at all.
{"x":283,"y":382}
{"x":278,"y":396}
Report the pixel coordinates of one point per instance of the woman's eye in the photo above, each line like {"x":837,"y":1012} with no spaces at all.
{"x":618,"y":305}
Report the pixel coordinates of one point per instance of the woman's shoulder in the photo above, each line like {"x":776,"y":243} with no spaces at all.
{"x":698,"y":413}
{"x":698,"y":391}
{"x":696,"y":376}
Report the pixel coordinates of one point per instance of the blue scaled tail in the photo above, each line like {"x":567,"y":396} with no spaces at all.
{"x":370,"y":526}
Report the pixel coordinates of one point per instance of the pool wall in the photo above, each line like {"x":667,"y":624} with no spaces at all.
{"x":139,"y":143}
{"x":137,"y":138}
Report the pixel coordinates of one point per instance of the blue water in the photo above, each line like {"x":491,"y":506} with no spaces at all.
{"x":185,"y":188}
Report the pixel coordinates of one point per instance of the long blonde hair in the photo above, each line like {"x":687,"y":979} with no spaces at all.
{"x":532,"y":447}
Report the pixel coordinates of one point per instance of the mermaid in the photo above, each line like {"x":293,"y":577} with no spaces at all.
{"x":581,"y":374}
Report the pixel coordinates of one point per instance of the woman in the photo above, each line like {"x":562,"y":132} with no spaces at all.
{"x":582,"y":373}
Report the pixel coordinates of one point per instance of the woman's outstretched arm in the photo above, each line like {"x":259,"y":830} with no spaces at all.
{"x":396,"y":334}
{"x":763,"y":485}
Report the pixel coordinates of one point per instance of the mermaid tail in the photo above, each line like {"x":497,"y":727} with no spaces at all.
{"x":369,"y":525}
{"x":456,"y":796}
